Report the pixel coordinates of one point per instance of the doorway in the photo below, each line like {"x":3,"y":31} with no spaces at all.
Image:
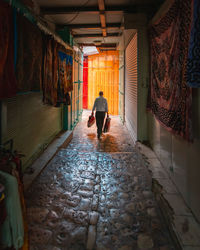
{"x":103,"y":75}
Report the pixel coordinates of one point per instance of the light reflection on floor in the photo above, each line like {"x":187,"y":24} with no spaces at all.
{"x":95,"y":194}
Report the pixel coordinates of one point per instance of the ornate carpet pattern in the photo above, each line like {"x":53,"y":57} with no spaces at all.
{"x":193,"y":63}
{"x":65,"y":83}
{"x":169,"y":97}
{"x":29,"y":56}
{"x":50,"y":71}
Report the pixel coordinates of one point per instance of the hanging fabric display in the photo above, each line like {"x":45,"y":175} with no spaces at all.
{"x":29,"y":56}
{"x":65,"y":83}
{"x":193,"y":63}
{"x":65,"y":71}
{"x":169,"y":97}
{"x":50,"y":71}
{"x":8,"y":86}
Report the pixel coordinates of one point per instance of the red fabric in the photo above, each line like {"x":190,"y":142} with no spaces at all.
{"x":170,"y":99}
{"x":85,"y":82}
{"x":29,"y":56}
{"x":50,"y":72}
{"x":8,"y":86}
{"x":107,"y":125}
{"x":91,"y":121}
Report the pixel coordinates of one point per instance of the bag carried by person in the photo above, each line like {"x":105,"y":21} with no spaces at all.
{"x":91,"y":120}
{"x":107,"y":125}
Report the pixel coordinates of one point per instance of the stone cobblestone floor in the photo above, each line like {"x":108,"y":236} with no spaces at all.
{"x":95,"y":194}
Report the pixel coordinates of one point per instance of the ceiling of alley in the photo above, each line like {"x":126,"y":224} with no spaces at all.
{"x":95,"y":22}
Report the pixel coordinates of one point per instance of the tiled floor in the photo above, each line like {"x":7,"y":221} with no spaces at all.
{"x":95,"y":194}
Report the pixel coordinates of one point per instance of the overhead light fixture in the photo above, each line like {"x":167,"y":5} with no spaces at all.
{"x":92,"y":50}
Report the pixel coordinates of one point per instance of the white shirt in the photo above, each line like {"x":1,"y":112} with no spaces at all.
{"x":100,"y":104}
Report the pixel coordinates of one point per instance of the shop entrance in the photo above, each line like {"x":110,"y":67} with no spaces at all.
{"x":101,"y":73}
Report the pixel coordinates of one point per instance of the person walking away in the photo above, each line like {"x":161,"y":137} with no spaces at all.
{"x":101,"y":106}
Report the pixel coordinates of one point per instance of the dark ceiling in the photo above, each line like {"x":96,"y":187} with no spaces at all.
{"x":93,"y":22}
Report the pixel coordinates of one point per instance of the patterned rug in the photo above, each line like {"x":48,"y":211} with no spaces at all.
{"x":193,"y":63}
{"x":169,"y":98}
{"x":50,"y":71}
{"x":29,"y":55}
{"x":65,"y":83}
{"x":57,"y":72}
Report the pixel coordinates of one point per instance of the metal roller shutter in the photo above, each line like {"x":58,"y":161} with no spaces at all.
{"x":131,"y":87}
{"x":30,"y":124}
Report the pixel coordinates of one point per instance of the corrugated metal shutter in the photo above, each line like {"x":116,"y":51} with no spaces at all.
{"x":31,"y":124}
{"x":131,"y":86}
{"x":103,"y":74}
{"x":121,"y":85}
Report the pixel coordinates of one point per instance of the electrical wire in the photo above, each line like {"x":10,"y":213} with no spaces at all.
{"x":76,"y":15}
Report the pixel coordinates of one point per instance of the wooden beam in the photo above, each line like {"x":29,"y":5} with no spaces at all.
{"x":134,"y":8}
{"x":104,"y":32}
{"x":103,"y":45}
{"x":102,"y":15}
{"x":101,"y":4}
{"x":96,"y":35}
{"x":103,"y":19}
{"x":107,"y":49}
{"x":87,"y":25}
{"x":54,"y":10}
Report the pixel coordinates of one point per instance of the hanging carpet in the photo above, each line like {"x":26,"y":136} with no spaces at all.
{"x":65,"y":70}
{"x":8,"y":86}
{"x":65,"y":83}
{"x":169,"y":98}
{"x":29,"y":55}
{"x":50,"y":71}
{"x":193,"y":63}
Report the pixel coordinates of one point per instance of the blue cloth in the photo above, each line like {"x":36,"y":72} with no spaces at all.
{"x":193,"y":63}
{"x":12,"y":230}
{"x":66,"y":57}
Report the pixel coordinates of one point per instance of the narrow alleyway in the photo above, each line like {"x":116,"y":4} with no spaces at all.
{"x":95,"y":195}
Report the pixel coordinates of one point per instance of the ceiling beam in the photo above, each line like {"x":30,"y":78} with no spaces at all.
{"x":103,"y":45}
{"x":103,"y":19}
{"x":101,"y":5}
{"x":96,"y":35}
{"x":87,"y":25}
{"x":107,"y":49}
{"x":102,"y":16}
{"x":54,"y":10}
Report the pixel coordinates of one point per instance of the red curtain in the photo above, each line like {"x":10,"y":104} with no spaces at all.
{"x":85,"y":82}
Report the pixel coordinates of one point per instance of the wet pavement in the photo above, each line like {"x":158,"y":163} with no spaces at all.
{"x":95,"y":194}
